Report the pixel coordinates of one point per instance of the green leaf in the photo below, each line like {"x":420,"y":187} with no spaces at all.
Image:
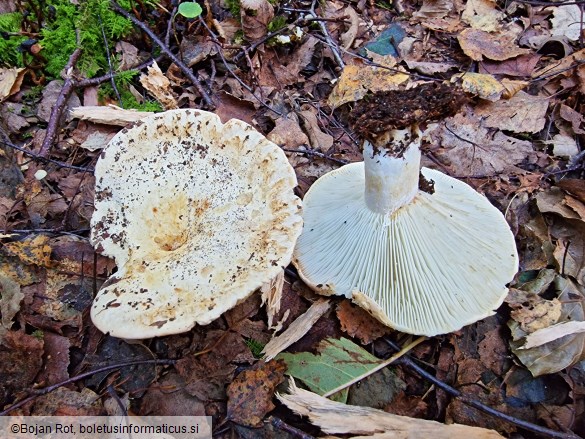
{"x":339,"y":362}
{"x":190,"y":9}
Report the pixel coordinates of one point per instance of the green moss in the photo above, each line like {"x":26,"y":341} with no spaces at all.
{"x":277,"y":23}
{"x":234,"y":8}
{"x":128,"y":100}
{"x":255,"y":347}
{"x":9,"y":54}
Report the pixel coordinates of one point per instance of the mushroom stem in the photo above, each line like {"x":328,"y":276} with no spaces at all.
{"x":392,"y":170}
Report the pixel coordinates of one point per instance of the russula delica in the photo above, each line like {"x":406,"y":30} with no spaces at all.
{"x":196,"y":213}
{"x":421,"y":251}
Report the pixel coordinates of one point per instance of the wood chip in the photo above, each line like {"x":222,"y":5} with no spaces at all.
{"x":296,"y":330}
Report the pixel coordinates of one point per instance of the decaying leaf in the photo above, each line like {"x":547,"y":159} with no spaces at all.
{"x":10,"y":81}
{"x":338,"y":362}
{"x":319,"y":139}
{"x":335,"y":417}
{"x":523,"y":113}
{"x":470,"y":148}
{"x":33,"y":250}
{"x":563,"y":352}
{"x":482,"y":15}
{"x":356,"y":81}
{"x":10,"y":298}
{"x":288,"y":133}
{"x":159,"y":86}
{"x":296,"y":330}
{"x":554,"y":332}
{"x":250,"y":393}
{"x":531,"y":311}
{"x":564,"y":145}
{"x":566,"y":21}
{"x":478,"y":44}
{"x":255,"y":16}
{"x":359,"y":323}
{"x":485,"y":86}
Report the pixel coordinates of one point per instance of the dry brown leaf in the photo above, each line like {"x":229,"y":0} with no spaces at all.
{"x":485,"y":86}
{"x":10,"y":81}
{"x":250,"y":393}
{"x":574,"y":186}
{"x":469,"y":148}
{"x":296,"y":330}
{"x":347,"y":38}
{"x":359,"y":323}
{"x":567,"y":21}
{"x":551,"y":333}
{"x":159,"y":86}
{"x":255,"y":16}
{"x":108,"y":115}
{"x":319,"y":140}
{"x":483,"y":15}
{"x":573,"y":117}
{"x":521,"y":66}
{"x":288,"y":133}
{"x":10,"y":298}
{"x":335,"y":417}
{"x":533,"y":312}
{"x":562,"y":66}
{"x":552,"y":201}
{"x":128,"y":54}
{"x":523,"y":113}
{"x":478,"y":44}
{"x":357,"y":80}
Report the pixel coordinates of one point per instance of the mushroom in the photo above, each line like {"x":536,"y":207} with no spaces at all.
{"x":421,"y":251}
{"x":196,"y":213}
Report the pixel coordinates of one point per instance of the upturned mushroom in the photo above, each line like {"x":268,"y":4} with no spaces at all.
{"x":422,"y":252}
{"x":196,"y":213}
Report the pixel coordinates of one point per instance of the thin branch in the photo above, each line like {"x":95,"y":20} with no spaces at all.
{"x":230,"y":70}
{"x":334,"y":47}
{"x":46,"y":159}
{"x":111,"y":70}
{"x":48,"y":389}
{"x":409,"y":362}
{"x":312,"y":152}
{"x":60,"y":104}
{"x":186,"y":71}
{"x":295,"y":432}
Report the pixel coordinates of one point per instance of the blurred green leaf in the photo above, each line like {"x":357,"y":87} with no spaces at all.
{"x":190,"y":10}
{"x":338,"y":362}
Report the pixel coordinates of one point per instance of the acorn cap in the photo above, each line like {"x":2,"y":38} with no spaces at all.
{"x":197,"y":215}
{"x":435,"y":265}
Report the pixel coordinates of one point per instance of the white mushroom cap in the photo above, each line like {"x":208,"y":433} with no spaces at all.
{"x":436,"y":264}
{"x":197,"y":215}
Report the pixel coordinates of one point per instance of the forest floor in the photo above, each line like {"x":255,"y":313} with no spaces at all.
{"x":293,"y":69}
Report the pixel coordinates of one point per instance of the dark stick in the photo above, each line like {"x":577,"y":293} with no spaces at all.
{"x":281,"y":425}
{"x":46,"y":159}
{"x":316,"y":154}
{"x":187,"y":71}
{"x":60,"y":104}
{"x":408,"y":362}
{"x":48,"y":389}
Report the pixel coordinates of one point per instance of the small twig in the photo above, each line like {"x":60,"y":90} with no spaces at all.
{"x":46,"y":159}
{"x":231,"y":72}
{"x":101,"y":79}
{"x":312,"y":152}
{"x":408,"y":362}
{"x":111,"y":69}
{"x":334,"y":47}
{"x":186,"y":71}
{"x":49,"y":389}
{"x":60,"y":104}
{"x":295,"y":432}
